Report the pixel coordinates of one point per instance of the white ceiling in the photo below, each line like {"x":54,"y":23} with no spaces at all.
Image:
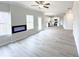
{"x":55,"y":8}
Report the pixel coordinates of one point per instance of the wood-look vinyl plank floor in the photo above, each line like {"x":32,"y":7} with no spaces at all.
{"x":52,"y":42}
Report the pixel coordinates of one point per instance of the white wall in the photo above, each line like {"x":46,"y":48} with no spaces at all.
{"x":18,"y":17}
{"x":68,"y":20}
{"x":76,"y":23}
{"x":46,"y":20}
{"x":61,"y":21}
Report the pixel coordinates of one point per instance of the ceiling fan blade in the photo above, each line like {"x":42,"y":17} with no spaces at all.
{"x":41,"y":2}
{"x":45,"y":6}
{"x":37,"y":2}
{"x":34,"y":5}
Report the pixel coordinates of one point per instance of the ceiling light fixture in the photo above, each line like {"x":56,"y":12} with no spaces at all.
{"x":42,"y":4}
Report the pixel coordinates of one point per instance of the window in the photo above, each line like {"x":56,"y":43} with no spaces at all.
{"x":30,"y":21}
{"x":39,"y":23}
{"x":5,"y":23}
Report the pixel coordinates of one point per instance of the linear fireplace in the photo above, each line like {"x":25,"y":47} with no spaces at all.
{"x":18,"y":28}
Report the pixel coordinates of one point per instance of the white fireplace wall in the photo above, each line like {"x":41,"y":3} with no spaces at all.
{"x":18,"y":17}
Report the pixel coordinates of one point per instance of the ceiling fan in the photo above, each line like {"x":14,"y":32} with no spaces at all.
{"x":42,"y":4}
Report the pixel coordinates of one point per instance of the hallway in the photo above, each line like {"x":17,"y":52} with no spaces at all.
{"x":52,"y":42}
